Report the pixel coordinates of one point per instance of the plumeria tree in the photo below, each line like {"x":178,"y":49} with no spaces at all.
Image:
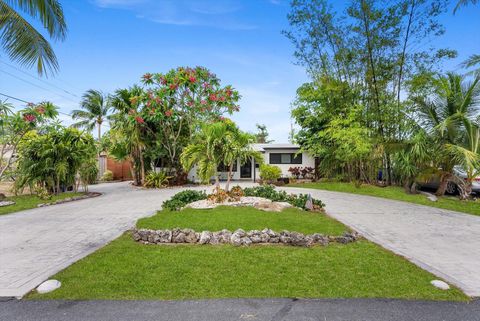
{"x":14,"y":127}
{"x":176,"y":103}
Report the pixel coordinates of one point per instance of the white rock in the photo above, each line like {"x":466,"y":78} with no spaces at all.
{"x":49,"y":286}
{"x":6,"y":203}
{"x":440,"y":284}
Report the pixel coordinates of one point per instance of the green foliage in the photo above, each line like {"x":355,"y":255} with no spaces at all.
{"x":449,"y":117}
{"x":216,"y":143}
{"x":157,"y":179}
{"x":261,"y":136}
{"x":52,"y":158}
{"x":95,"y":107}
{"x":183,"y":198}
{"x":270,"y":173}
{"x":268,"y":191}
{"x":107,"y":176}
{"x":22,"y":42}
{"x":353,"y":114}
{"x":14,"y":127}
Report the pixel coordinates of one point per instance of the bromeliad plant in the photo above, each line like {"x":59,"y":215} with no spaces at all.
{"x":157,"y":179}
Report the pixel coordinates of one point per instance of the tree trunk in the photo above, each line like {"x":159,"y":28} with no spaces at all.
{"x":217,"y":182}
{"x":142,"y":167}
{"x":230,"y":168}
{"x":442,"y":187}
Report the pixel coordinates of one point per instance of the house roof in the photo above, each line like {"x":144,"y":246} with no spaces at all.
{"x":263,"y":147}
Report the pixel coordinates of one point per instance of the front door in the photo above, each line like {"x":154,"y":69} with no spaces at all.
{"x":246,"y":170}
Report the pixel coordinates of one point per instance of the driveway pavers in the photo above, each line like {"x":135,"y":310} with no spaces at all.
{"x":37,"y":243}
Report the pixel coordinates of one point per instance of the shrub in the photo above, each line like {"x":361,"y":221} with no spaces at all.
{"x":157,"y":179}
{"x":219,"y":196}
{"x":270,"y":173}
{"x":183,"y":198}
{"x":107,"y":176}
{"x":236,"y":192}
{"x":297,"y":200}
{"x":295,"y":171}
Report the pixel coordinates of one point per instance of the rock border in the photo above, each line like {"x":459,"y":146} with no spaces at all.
{"x":71,"y":199}
{"x":239,"y":237}
{"x":6,"y":203}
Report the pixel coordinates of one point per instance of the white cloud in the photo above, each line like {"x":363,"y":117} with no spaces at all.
{"x":207,"y":13}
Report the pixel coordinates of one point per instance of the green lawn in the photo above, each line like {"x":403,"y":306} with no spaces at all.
{"x":25,"y":202}
{"x":125,"y":269}
{"x":396,"y":193}
{"x":247,"y":218}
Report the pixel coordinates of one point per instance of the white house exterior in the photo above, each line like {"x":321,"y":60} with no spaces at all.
{"x":282,"y":155}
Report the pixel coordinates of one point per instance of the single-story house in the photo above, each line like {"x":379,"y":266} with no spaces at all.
{"x":282,"y":155}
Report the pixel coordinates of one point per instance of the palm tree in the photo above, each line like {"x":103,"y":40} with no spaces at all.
{"x":238,"y":147}
{"x":462,"y":3}
{"x":127,"y":136}
{"x":22,"y":42}
{"x":450,"y":119}
{"x":206,"y":151}
{"x":95,"y":107}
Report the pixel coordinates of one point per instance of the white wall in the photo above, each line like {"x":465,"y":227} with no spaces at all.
{"x":307,"y":160}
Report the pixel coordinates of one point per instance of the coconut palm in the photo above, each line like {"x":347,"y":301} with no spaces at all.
{"x":472,"y":62}
{"x":22,"y":42}
{"x":450,"y":119}
{"x":95,"y":107}
{"x":461,"y":3}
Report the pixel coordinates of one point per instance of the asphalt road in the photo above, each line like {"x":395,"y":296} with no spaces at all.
{"x":240,"y":309}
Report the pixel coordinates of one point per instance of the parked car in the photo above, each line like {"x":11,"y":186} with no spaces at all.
{"x":452,"y":187}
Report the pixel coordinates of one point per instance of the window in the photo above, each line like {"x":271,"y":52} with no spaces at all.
{"x":223,"y":168}
{"x":285,"y":158}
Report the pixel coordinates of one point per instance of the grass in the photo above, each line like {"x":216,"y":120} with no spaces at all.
{"x":25,"y":202}
{"x":396,"y":193}
{"x":247,"y":218}
{"x":125,"y":269}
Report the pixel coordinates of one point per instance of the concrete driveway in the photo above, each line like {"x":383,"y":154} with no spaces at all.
{"x":446,"y":243}
{"x":37,"y":243}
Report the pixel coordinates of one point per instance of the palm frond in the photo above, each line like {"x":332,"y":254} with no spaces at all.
{"x":22,"y":42}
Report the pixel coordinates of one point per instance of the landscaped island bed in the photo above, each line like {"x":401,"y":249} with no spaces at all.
{"x":126,"y":269}
{"x":396,"y":193}
{"x":26,"y":202}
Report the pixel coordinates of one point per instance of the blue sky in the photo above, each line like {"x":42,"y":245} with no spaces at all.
{"x":111,"y":43}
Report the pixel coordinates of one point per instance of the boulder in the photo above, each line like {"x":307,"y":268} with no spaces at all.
{"x":2,"y":197}
{"x":235,"y":239}
{"x":205,"y":237}
{"x":297,"y":239}
{"x":179,"y":237}
{"x":440,"y":284}
{"x":246,"y":241}
{"x":165,"y":236}
{"x":190,"y":236}
{"x":48,"y":286}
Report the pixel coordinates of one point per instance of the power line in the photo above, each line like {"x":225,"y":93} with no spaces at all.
{"x":39,"y":79}
{"x":38,"y":86}
{"x":28,"y":102}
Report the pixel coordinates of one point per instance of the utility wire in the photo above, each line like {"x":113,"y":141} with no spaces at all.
{"x":39,"y":79}
{"x":38,"y":86}
{"x":28,"y":102}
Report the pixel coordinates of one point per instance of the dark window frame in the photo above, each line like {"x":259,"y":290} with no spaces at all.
{"x":295,"y":159}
